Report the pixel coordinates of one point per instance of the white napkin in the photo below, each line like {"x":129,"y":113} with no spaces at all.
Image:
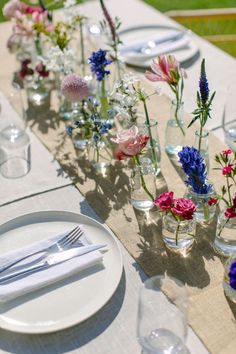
{"x":132,"y":52}
{"x":38,"y":280}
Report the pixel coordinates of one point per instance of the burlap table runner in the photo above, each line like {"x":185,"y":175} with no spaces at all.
{"x":210,"y":314}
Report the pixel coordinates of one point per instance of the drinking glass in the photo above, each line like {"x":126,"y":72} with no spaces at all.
{"x":162,"y":313}
{"x":229,"y":117}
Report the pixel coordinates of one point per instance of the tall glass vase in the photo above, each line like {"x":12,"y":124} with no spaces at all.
{"x":225,"y":241}
{"x":230,"y":292}
{"x":202,"y":143}
{"x":175,"y":129}
{"x":153,"y":151}
{"x":143,"y":187}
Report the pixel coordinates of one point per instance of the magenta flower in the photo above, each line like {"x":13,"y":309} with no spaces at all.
{"x":227,"y":152}
{"x":212,"y":201}
{"x":165,"y":201}
{"x":227,"y":170}
{"x":230,"y":213}
{"x":165,"y":68}
{"x":74,"y":88}
{"x":130,"y":143}
{"x":184,"y":208}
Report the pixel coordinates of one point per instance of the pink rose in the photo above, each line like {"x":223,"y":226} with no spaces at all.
{"x":184,"y":208}
{"x":165,"y":200}
{"x":165,"y":68}
{"x":130,"y":143}
{"x":230,"y":213}
{"x":9,"y":10}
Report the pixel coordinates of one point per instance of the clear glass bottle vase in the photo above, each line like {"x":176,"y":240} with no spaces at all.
{"x":201,"y":143}
{"x":225,"y":240}
{"x":99,"y":155}
{"x":178,"y":236}
{"x":143,"y":186}
{"x":153,"y":151}
{"x":175,"y":129}
{"x":230,"y":290}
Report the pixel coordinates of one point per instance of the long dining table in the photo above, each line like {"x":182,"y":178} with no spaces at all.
{"x":54,"y":183}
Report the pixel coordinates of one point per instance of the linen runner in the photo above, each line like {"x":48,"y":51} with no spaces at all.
{"x":210,"y":314}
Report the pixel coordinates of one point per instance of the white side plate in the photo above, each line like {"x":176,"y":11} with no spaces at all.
{"x":72,"y":300}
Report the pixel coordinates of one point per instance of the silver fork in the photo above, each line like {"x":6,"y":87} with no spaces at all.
{"x":62,"y":244}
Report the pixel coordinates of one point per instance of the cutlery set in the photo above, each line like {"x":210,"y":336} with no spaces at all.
{"x":67,"y":247}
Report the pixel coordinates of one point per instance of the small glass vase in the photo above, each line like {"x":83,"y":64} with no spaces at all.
{"x":82,"y":134}
{"x":153,"y":151}
{"x":143,"y":186}
{"x":202,"y":144}
{"x":178,"y":236}
{"x":175,"y":129}
{"x":99,"y":155}
{"x":205,"y":212}
{"x":225,"y":241}
{"x":38,"y":91}
{"x":229,"y":291}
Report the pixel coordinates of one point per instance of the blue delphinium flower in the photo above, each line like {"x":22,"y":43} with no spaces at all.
{"x":98,"y":62}
{"x":69,"y":130}
{"x":232,"y":275}
{"x":195,"y":169}
{"x":203,"y":84}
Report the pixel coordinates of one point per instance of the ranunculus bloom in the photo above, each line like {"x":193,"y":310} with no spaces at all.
{"x":11,"y":7}
{"x":227,"y":152}
{"x":212,"y":201}
{"x":165,"y":200}
{"x":165,"y":68}
{"x":184,"y":208}
{"x":130,"y":143}
{"x":232,"y":275}
{"x":227,"y":170}
{"x":74,"y":88}
{"x":230,"y":213}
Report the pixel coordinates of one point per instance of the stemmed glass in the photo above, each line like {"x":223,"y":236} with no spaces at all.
{"x":162,"y":316}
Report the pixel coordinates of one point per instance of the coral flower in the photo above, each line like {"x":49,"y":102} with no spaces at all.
{"x":74,"y":88}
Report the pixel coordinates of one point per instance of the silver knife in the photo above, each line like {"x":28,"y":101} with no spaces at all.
{"x":51,"y":260}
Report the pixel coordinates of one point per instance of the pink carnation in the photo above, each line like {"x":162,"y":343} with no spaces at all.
{"x":130,"y":143}
{"x":184,"y":208}
{"x":165,"y":200}
{"x":227,"y":170}
{"x":74,"y":88}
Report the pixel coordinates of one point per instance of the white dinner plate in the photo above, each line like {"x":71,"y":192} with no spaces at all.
{"x":144,"y":33}
{"x":71,"y":300}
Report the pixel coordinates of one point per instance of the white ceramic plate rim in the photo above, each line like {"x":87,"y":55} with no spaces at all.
{"x":146,"y":63}
{"x":105,"y":236}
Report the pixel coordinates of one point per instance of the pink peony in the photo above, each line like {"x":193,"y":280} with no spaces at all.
{"x":74,"y":88}
{"x":230,"y":213}
{"x":130,"y":143}
{"x":9,"y":10}
{"x":227,"y":170}
{"x":165,"y":68}
{"x":184,"y":208}
{"x":165,"y":200}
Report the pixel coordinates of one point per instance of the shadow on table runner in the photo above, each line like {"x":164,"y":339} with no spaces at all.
{"x":210,"y":315}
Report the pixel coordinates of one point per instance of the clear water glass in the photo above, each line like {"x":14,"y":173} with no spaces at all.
{"x":161,"y":323}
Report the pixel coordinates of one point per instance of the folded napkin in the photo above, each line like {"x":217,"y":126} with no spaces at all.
{"x":20,"y":286}
{"x":141,"y":51}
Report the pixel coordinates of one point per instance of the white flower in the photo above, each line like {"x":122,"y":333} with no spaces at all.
{"x":59,"y":61}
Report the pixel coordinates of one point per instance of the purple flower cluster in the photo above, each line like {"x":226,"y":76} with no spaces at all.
{"x":232,"y":275}
{"x":195,"y":169}
{"x":98,"y":62}
{"x":203,"y":84}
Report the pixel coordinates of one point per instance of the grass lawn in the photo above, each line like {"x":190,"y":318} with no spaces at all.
{"x":165,"y":5}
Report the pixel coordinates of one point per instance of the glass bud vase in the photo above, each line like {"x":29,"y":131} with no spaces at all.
{"x":38,"y":91}
{"x":153,"y":151}
{"x":230,"y":292}
{"x":175,"y":129}
{"x":143,"y":186}
{"x":205,"y":212}
{"x":225,"y":241}
{"x":99,"y":155}
{"x":178,"y":236}
{"x":201,"y":143}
